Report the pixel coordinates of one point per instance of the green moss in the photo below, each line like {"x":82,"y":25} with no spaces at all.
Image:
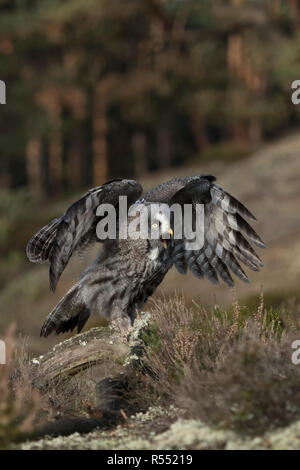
{"x":151,"y":337}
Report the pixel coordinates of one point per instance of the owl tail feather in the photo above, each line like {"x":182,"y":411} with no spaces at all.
{"x":70,"y":312}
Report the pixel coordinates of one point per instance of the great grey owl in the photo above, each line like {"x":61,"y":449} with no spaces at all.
{"x":127,"y":271}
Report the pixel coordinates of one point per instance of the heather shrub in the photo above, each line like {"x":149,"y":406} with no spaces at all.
{"x":21,"y":406}
{"x":232,"y":369}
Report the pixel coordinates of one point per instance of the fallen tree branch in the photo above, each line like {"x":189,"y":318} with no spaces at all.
{"x":98,"y":346}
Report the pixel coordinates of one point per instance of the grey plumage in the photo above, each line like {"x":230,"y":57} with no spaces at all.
{"x":126,"y":272}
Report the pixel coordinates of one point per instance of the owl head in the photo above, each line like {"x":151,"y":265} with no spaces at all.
{"x":151,"y":222}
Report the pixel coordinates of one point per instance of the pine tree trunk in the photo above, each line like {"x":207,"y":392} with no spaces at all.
{"x":255,"y":131}
{"x":33,"y":167}
{"x":198,"y":130}
{"x":239,"y":66}
{"x":50,"y":101}
{"x":165,"y":150}
{"x":55,"y":152}
{"x":139,"y":145}
{"x":294,"y":9}
{"x":75,"y":167}
{"x":100,"y":168}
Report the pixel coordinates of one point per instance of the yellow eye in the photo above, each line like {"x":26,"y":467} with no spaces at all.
{"x":154,"y":225}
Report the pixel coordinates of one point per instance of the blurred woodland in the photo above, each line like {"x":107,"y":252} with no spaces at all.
{"x":149,"y":89}
{"x":98,"y":89}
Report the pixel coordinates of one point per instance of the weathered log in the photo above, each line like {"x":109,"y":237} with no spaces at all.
{"x":102,"y":347}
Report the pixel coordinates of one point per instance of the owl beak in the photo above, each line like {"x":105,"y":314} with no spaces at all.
{"x":164,"y":240}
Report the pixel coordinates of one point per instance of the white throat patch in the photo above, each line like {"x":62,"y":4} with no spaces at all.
{"x":153,"y":254}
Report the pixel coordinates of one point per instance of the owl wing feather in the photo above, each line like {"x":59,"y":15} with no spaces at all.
{"x":76,"y":228}
{"x":40,"y":245}
{"x":225,"y":234}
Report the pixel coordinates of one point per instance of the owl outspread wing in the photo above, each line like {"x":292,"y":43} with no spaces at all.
{"x":225,"y":230}
{"x":76,"y":228}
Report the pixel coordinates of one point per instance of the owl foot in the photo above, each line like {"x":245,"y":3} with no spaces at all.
{"x":122,"y":323}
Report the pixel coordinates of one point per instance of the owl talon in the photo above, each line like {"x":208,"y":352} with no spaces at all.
{"x":123,"y":324}
{"x":137,"y":314}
